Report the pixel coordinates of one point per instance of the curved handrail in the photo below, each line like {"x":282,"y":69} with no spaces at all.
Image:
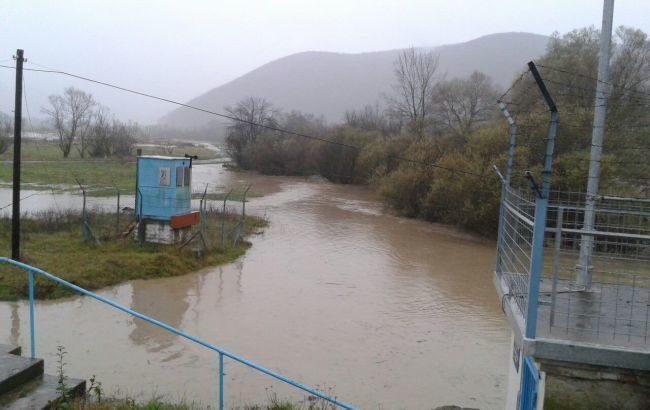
{"x":31,"y":270}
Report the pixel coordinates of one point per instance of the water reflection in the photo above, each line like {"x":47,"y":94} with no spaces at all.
{"x":166,"y":303}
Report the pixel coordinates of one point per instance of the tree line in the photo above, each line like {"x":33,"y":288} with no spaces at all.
{"x":455,"y":124}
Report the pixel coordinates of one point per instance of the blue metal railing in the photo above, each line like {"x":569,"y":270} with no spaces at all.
{"x":30,"y":281}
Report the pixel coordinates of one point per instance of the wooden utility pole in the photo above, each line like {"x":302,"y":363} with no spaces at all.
{"x":18,"y":115}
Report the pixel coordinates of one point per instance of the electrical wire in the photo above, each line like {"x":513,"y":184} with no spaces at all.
{"x":232,"y":118}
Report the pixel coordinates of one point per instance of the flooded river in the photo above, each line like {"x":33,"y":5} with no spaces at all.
{"x":383,"y":312}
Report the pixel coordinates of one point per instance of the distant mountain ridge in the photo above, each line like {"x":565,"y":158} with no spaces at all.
{"x":328,"y":84}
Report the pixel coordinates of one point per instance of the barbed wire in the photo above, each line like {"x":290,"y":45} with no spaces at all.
{"x":574,"y":73}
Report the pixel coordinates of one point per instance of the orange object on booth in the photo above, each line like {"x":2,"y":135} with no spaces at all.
{"x":183,"y":221}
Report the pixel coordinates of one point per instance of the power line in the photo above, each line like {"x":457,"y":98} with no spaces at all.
{"x":280,"y":130}
{"x":232,"y":118}
{"x":128,"y":90}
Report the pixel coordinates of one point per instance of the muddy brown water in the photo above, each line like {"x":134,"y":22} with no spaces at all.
{"x":381,"y":311}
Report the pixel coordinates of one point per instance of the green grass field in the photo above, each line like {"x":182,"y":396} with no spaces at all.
{"x":40,"y":150}
{"x":92,"y":174}
{"x":104,"y":174}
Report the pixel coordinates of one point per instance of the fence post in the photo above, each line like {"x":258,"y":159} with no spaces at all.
{"x":84,"y":228}
{"x":202,"y":222}
{"x":223,"y":221}
{"x":30,"y":284}
{"x":556,"y":261}
{"x":504,"y":193}
{"x":220,"y":381}
{"x":243,"y":211}
{"x":87,"y":233}
{"x":117,"y":223}
{"x":505,"y":184}
{"x":141,"y":225}
{"x":541,"y":207}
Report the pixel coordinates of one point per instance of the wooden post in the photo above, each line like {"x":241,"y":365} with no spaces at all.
{"x":18,"y":114}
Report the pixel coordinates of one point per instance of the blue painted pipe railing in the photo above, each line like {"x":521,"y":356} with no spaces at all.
{"x":30,"y":282}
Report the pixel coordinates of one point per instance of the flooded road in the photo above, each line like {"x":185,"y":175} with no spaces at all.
{"x":383,"y":312}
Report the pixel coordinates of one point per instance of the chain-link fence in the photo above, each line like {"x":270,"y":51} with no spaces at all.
{"x":106,"y":214}
{"x":614,"y":308}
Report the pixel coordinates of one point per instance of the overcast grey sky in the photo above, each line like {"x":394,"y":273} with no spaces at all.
{"x":179,"y":49}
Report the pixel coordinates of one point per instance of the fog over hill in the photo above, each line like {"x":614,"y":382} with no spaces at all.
{"x":328,"y":84}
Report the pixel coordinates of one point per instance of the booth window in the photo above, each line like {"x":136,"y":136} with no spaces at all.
{"x":188,"y":173}
{"x":179,"y":176}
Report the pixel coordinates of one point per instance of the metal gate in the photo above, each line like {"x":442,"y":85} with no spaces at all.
{"x":529,"y":385}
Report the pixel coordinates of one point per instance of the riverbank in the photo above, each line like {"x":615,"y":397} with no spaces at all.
{"x":53,"y":242}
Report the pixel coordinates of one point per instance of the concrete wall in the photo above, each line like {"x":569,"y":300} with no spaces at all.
{"x":514,"y":377}
{"x":162,"y":233}
{"x":575,"y":386}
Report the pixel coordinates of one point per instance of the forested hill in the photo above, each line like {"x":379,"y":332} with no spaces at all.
{"x":328,"y":84}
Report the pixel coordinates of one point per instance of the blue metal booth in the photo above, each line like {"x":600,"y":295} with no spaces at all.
{"x":163,"y":187}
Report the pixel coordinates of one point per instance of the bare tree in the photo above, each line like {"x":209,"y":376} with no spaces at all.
{"x":71,"y":114}
{"x":461,"y":104}
{"x":250,"y":116}
{"x":415,"y":72}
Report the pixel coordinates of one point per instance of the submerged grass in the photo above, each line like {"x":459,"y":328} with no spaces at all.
{"x":52,"y":241}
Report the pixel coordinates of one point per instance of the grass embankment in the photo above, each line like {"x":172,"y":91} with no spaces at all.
{"x":161,"y":405}
{"x":51,"y":169}
{"x":53,"y":242}
{"x":273,"y":403}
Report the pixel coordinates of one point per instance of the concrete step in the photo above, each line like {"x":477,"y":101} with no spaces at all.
{"x":17,"y":370}
{"x":9,"y":349}
{"x":41,"y":393}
